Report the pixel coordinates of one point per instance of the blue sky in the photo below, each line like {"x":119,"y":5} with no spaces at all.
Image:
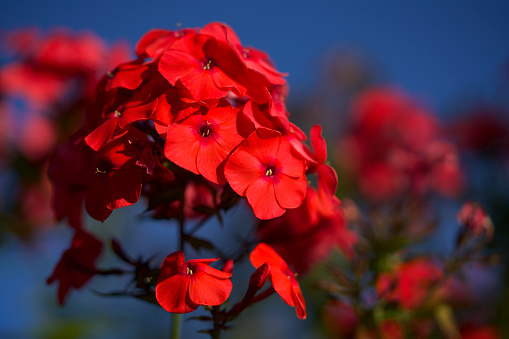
{"x":434,"y":49}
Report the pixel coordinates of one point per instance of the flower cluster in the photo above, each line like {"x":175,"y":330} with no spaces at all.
{"x":193,"y":100}
{"x":395,"y":148}
{"x":195,"y":123}
{"x":390,"y":290}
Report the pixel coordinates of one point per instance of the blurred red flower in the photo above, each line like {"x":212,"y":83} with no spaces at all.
{"x":410,"y":285}
{"x":77,"y":264}
{"x":394,"y":147}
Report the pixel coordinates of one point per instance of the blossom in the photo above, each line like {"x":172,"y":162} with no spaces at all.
{"x":202,"y":142}
{"x":183,"y":286}
{"x":394,"y":147}
{"x":411,"y":284}
{"x":265,"y":171}
{"x":307,"y":234}
{"x":282,"y":277}
{"x":77,"y":264}
{"x":121,"y":167}
{"x":205,"y":66}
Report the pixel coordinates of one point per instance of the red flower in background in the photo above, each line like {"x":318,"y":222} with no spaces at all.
{"x":77,"y":264}
{"x":410,"y":285}
{"x":183,"y":286}
{"x":475,"y":219}
{"x":283,"y":279}
{"x":265,"y":170}
{"x":394,"y":147}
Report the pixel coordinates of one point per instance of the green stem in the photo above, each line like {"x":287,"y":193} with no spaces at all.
{"x":176,"y":331}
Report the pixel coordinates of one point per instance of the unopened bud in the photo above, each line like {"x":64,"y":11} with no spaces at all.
{"x":259,"y":277}
{"x":228,"y":266}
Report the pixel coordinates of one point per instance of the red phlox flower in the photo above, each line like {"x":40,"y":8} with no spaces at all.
{"x":156,"y":41}
{"x":257,"y":61}
{"x":410,"y":285}
{"x":202,"y":142}
{"x":282,"y":278}
{"x":394,"y":148}
{"x":129,"y":75}
{"x":77,"y":264}
{"x":261,"y":117}
{"x":315,"y":156}
{"x":70,"y":171}
{"x":124,"y":111}
{"x":306,"y":235}
{"x":117,"y":178}
{"x":265,"y":171}
{"x":183,"y":286}
{"x":172,"y":109}
{"x":208,"y":68}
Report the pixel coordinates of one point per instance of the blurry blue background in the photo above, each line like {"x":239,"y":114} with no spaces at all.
{"x":437,"y":50}
{"x":434,"y":49}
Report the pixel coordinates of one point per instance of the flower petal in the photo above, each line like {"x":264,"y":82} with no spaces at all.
{"x":205,"y":289}
{"x":242,"y":169}
{"x":261,"y":196}
{"x":182,"y":145}
{"x":290,"y":192}
{"x":173,"y":295}
{"x":263,"y":253}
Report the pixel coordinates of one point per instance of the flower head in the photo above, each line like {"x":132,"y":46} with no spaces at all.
{"x":265,"y":170}
{"x":183,"y":286}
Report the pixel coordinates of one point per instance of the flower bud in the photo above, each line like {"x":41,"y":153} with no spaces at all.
{"x":259,"y":277}
{"x":228,"y":266}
